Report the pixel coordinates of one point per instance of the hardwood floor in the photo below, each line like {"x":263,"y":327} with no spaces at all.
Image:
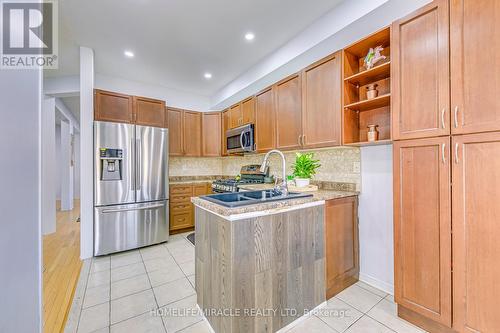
{"x":61,"y":269}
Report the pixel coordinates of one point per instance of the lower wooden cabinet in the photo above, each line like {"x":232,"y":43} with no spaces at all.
{"x":422,"y":227}
{"x":476,"y":232}
{"x":341,"y":244}
{"x":181,"y":208}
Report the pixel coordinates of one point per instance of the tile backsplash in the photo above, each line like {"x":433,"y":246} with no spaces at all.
{"x":339,"y":164}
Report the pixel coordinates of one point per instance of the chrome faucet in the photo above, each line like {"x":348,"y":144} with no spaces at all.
{"x":283,"y":188}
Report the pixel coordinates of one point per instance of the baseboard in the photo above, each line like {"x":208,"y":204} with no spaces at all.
{"x":379,"y":284}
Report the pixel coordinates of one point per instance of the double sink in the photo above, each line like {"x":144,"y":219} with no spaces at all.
{"x":238,"y":199}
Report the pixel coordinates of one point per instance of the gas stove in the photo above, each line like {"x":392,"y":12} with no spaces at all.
{"x":250,"y":174}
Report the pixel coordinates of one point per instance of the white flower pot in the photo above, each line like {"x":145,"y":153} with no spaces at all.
{"x":302,"y":182}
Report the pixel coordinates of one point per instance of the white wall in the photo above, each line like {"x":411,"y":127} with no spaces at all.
{"x":173,"y":97}
{"x":76,"y":168}
{"x":375,"y":218}
{"x":70,"y":86}
{"x":327,"y":35}
{"x":58,"y":162}
{"x":87,"y":152}
{"x":20,"y":222}
{"x":49,"y":163}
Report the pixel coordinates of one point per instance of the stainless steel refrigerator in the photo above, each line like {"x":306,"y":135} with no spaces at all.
{"x":130,"y":186}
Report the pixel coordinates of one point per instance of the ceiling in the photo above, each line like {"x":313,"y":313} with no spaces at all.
{"x":176,"y":41}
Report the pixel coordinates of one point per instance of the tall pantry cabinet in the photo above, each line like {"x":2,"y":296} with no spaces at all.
{"x":446,"y":126}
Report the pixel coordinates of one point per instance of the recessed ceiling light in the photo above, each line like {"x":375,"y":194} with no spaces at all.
{"x":249,"y":36}
{"x":207,"y":75}
{"x":129,"y":54}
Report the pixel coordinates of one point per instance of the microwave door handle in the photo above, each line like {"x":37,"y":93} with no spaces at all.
{"x":242,"y":137}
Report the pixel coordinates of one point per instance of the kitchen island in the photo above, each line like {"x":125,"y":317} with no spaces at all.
{"x":260,"y":267}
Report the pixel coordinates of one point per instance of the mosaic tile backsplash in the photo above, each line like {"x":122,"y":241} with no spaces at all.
{"x":339,"y":164}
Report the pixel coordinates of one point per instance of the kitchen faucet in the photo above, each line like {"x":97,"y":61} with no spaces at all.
{"x":283,"y":188}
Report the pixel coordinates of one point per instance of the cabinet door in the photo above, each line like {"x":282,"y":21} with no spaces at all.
{"x":175,"y":132}
{"x":420,"y":73}
{"x":248,"y":111}
{"x":476,"y":232}
{"x":235,"y":116}
{"x":211,"y":134}
{"x":475,"y":65}
{"x":114,"y":107}
{"x":149,"y":112}
{"x":341,"y":244}
{"x":422,"y":227}
{"x":321,"y":102}
{"x":265,"y":121}
{"x":288,"y":113}
{"x":192,"y":133}
{"x":225,"y":127}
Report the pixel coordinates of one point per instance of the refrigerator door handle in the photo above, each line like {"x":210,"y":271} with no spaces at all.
{"x":138,"y":163}
{"x":107,"y":211}
{"x":133,"y":185}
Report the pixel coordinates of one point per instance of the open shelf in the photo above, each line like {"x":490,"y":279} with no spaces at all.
{"x":376,"y":73}
{"x":369,"y":104}
{"x":358,"y":111}
{"x":370,"y":143}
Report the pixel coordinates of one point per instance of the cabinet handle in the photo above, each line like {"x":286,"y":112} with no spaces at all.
{"x":443,"y":148}
{"x":456,"y":116}
{"x":443,"y":111}
{"x":456,"y":153}
{"x":303,"y":140}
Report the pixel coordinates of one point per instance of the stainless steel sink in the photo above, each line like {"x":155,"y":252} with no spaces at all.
{"x":251,"y":197}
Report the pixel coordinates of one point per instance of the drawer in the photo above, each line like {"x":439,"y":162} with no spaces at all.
{"x":185,"y":198}
{"x":181,"y":221}
{"x":184,"y":189}
{"x":178,"y":208}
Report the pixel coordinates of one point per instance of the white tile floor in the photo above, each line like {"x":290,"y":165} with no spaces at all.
{"x":123,"y":289}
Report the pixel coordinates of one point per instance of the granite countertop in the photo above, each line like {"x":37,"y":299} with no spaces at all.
{"x":177,"y":180}
{"x":273,"y":206}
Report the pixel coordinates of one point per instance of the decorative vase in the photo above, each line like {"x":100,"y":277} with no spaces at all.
{"x":371,"y":91}
{"x":372,"y":133}
{"x":302,"y":182}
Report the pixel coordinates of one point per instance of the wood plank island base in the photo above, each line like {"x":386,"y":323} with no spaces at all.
{"x":260,"y":273}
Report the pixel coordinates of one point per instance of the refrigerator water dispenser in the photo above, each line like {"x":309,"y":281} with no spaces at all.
{"x":111,"y":164}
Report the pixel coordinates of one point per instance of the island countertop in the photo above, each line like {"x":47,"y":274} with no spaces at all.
{"x":270,"y":207}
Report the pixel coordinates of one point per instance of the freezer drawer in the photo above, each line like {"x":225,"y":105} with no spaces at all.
{"x":125,"y":227}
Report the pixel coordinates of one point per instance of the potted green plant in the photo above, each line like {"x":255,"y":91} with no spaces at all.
{"x":304,"y":168}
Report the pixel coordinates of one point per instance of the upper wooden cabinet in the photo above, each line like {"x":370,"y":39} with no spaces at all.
{"x":242,"y":113}
{"x":341,"y":244}
{"x":420,"y":73}
{"x":175,"y":132}
{"x":265,"y":121}
{"x":192,"y":133}
{"x":422,"y":227}
{"x":235,"y":116}
{"x":110,"y":106}
{"x":114,"y":107}
{"x":225,"y":127}
{"x":476,"y":232}
{"x":211,"y":131}
{"x":322,"y":102}
{"x":248,"y":111}
{"x":149,"y":112}
{"x":288,"y":110}
{"x":475,"y":68}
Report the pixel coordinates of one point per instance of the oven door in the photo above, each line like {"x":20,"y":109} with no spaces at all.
{"x":240,"y":139}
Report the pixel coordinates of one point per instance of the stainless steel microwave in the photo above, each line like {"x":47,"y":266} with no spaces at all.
{"x":240,"y":139}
